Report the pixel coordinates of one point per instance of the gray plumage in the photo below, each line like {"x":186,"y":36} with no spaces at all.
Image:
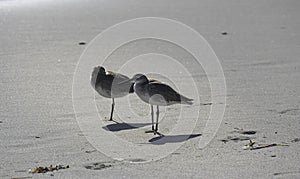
{"x":156,"y":93}
{"x":110,"y":85}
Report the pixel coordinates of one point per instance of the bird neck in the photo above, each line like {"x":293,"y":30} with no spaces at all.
{"x":139,"y":85}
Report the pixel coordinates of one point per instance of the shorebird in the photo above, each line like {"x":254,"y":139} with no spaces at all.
{"x":157,"y":94}
{"x":110,"y":85}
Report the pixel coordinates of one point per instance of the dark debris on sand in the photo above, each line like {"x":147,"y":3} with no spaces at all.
{"x":235,"y":138}
{"x":296,"y":140}
{"x":97,"y":166}
{"x":81,"y":43}
{"x":48,"y":169}
{"x":244,"y":132}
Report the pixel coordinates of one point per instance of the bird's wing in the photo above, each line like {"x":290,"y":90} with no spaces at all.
{"x":157,"y":88}
{"x":169,"y":94}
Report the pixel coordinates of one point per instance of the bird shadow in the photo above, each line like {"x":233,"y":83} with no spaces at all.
{"x":124,"y":126}
{"x":162,"y":139}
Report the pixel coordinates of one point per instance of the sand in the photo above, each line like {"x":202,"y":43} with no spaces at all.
{"x":257,"y":43}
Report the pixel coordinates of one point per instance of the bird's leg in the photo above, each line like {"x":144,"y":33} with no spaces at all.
{"x":152,"y":118}
{"x":112,"y":109}
{"x":157,"y":116}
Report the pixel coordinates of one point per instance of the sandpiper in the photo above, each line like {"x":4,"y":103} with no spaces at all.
{"x":157,"y":94}
{"x":110,"y":85}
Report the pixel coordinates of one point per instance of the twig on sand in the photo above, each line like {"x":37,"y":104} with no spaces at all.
{"x":251,"y":146}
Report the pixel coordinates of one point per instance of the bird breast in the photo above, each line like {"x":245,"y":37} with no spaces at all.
{"x":140,"y":90}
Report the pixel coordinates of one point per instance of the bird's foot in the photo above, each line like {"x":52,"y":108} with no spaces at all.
{"x":150,"y":131}
{"x":110,"y":120}
{"x":114,"y":121}
{"x":154,"y":132}
{"x":158,"y":133}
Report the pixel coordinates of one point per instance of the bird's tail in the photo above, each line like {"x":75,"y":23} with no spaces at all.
{"x":185,"y":100}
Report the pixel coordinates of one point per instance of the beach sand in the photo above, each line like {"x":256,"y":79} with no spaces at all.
{"x":257,"y":43}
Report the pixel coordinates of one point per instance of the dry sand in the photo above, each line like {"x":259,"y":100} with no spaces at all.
{"x":259,"y":55}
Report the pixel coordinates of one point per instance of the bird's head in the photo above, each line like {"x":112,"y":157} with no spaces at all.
{"x":98,"y":70}
{"x":140,"y":78}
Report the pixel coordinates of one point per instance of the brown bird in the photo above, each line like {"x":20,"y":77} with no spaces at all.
{"x":110,"y":85}
{"x":156,"y":93}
